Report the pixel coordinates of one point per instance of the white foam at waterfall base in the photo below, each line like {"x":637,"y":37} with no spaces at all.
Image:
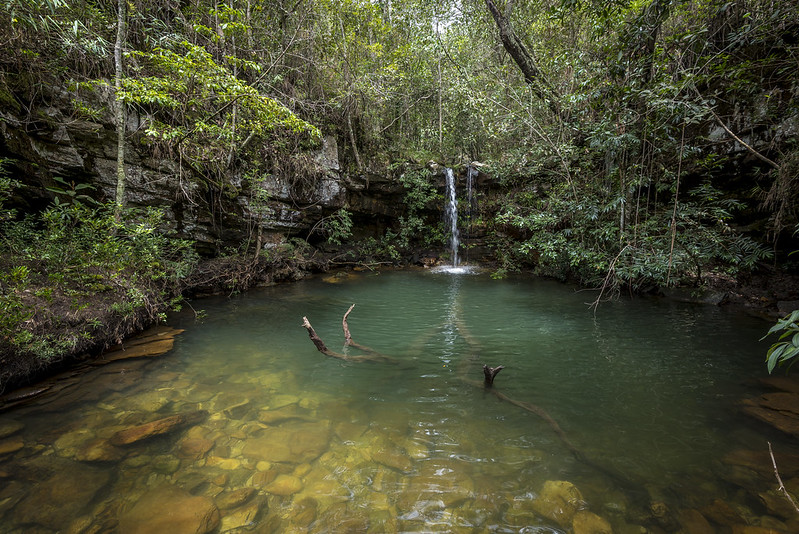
{"x":461,"y":269}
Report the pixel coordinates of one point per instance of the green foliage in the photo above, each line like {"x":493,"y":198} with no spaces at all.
{"x":784,"y":351}
{"x":585,"y":238}
{"x":421,"y":197}
{"x":76,"y":253}
{"x":7,"y":185}
{"x":338,"y":227}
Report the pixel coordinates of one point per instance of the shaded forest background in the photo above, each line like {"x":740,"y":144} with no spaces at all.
{"x":626,"y":145}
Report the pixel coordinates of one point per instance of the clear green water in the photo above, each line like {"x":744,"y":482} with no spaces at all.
{"x":646,"y":389}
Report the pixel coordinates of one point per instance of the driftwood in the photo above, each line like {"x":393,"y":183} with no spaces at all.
{"x":371,"y":356}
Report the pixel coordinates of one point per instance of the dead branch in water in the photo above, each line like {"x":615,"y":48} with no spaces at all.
{"x":373,"y":355}
{"x":490,"y":373}
{"x":782,"y":486}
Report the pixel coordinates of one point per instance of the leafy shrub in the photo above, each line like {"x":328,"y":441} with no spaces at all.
{"x":787,"y":349}
{"x":76,"y":256}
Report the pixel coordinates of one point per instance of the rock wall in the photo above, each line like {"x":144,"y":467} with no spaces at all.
{"x":41,"y":141}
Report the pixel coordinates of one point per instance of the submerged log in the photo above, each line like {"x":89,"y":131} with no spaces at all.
{"x":490,"y":373}
{"x":321,"y":347}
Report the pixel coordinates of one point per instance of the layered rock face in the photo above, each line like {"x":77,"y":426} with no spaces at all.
{"x":42,"y":142}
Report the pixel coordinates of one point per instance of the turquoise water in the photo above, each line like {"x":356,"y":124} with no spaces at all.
{"x":644,"y":390}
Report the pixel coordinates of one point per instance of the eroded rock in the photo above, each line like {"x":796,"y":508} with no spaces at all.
{"x":235,"y":498}
{"x":9,"y":427}
{"x":156,"y":428}
{"x":170,"y":509}
{"x":585,"y":522}
{"x":57,"y":499}
{"x":558,"y":500}
{"x":293,"y":442}
{"x":284,"y":485}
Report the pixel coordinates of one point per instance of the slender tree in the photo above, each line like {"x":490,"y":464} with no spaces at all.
{"x":119,"y":107}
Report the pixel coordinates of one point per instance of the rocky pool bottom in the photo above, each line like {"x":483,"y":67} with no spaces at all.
{"x":257,"y":433}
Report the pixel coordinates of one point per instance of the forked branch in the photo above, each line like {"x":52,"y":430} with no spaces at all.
{"x":782,"y":486}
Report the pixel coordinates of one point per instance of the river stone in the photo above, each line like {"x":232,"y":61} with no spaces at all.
{"x":200,"y":393}
{"x":228,"y":464}
{"x":68,"y":443}
{"x":303,"y":512}
{"x":347,"y":431}
{"x":98,"y":450}
{"x":10,"y":427}
{"x":558,"y":500}
{"x":283,"y":414}
{"x":151,"y":401}
{"x":321,"y":484}
{"x":585,"y":522}
{"x":194,"y":448}
{"x":693,"y":522}
{"x":241,"y":518}
{"x":292,"y":442}
{"x":11,"y":445}
{"x":235,"y":498}
{"x":234,"y":405}
{"x":156,"y":428}
{"x":170,"y":509}
{"x":788,"y":383}
{"x":263,"y":478}
{"x":777,"y":504}
{"x":394,"y":458}
{"x":760,"y":462}
{"x":284,"y":485}
{"x":165,"y":463}
{"x":58,"y":499}
{"x":785,"y":421}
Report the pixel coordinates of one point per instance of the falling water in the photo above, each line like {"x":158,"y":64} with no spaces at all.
{"x":451,"y":217}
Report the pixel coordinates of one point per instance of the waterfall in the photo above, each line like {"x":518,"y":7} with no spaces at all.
{"x":451,"y":216}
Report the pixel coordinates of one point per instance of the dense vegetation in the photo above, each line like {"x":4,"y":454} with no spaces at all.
{"x":636,"y":143}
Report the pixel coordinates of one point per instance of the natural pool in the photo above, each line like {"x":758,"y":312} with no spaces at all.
{"x":273,"y":436}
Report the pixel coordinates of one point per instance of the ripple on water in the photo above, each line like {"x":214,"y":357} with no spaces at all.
{"x":296,"y":441}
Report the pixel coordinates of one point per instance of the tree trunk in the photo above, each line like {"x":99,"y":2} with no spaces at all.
{"x":643,"y":46}
{"x":521,"y":56}
{"x":119,"y":109}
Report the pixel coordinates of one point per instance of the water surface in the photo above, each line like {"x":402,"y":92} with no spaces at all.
{"x":645,"y":393}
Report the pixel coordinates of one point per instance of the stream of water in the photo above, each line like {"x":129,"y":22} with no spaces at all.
{"x":289,"y":440}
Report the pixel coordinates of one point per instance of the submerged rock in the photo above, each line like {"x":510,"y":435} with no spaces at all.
{"x":99,"y":450}
{"x":585,"y":522}
{"x":558,"y":500}
{"x":779,"y":409}
{"x":10,"y":427}
{"x":283,"y":414}
{"x":284,"y":485}
{"x":59,"y":498}
{"x":194,"y":448}
{"x":242,"y":517}
{"x":235,"y":498}
{"x":693,"y":522}
{"x":170,"y":509}
{"x":156,"y":428}
{"x":293,"y":442}
{"x":11,"y":445}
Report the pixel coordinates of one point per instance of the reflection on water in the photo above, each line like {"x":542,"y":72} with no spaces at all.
{"x":245,"y":427}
